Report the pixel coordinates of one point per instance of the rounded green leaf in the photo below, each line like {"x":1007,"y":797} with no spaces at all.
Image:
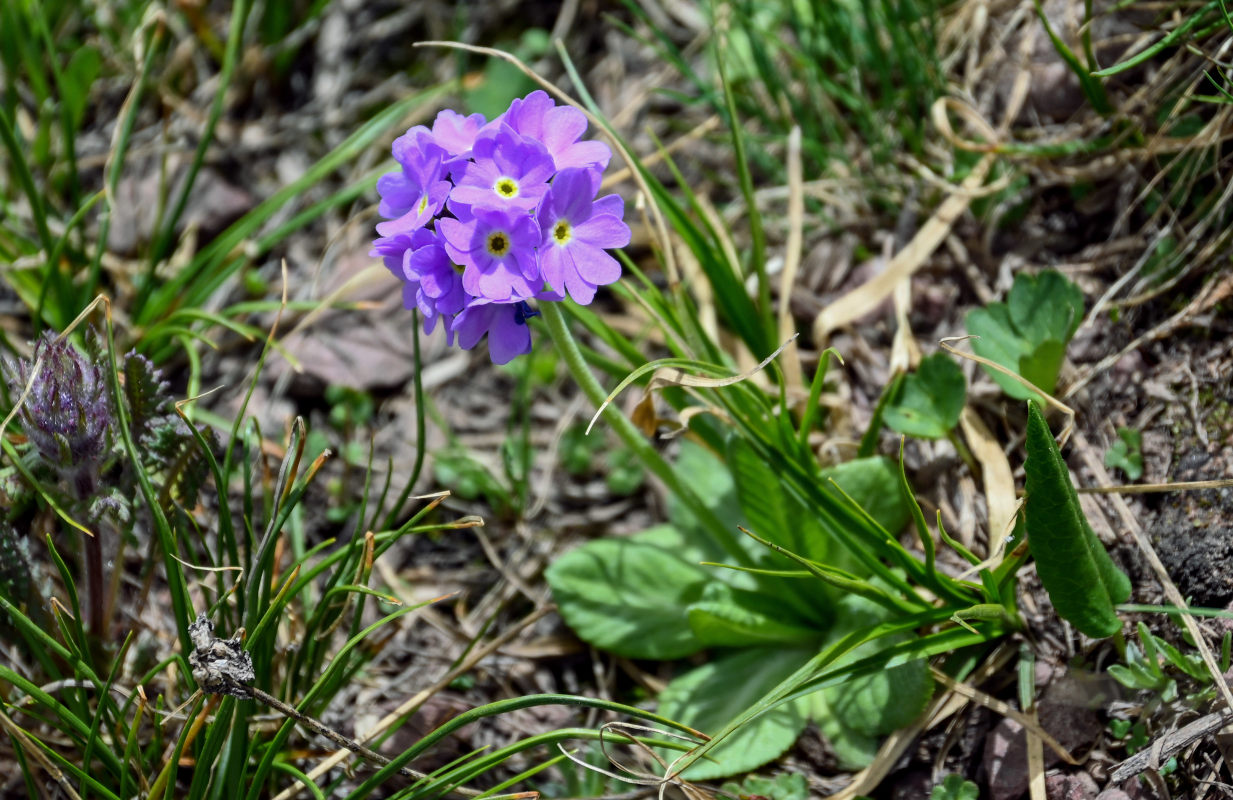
{"x":1028,"y":333}
{"x":710,"y":696}
{"x":629,"y":597}
{"x":931,"y":399}
{"x":874,"y":484}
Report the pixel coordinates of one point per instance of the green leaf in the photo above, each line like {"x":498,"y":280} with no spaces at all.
{"x":1126,"y":453}
{"x":703,"y":472}
{"x":1045,"y":306}
{"x":854,"y":714}
{"x":874,"y":484}
{"x":1042,"y":366}
{"x":700,"y":470}
{"x":1074,"y":567}
{"x":853,"y":750}
{"x":728,"y":617}
{"x":629,"y":597}
{"x":625,"y":472}
{"x":954,"y":787}
{"x":78,"y":77}
{"x":930,"y":400}
{"x":773,"y":514}
{"x":710,"y":696}
{"x":784,"y":786}
{"x":1028,"y":333}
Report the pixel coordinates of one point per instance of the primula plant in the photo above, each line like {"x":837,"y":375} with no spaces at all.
{"x":483,"y":217}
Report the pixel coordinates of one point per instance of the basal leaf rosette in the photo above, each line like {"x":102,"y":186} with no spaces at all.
{"x":484,"y":218}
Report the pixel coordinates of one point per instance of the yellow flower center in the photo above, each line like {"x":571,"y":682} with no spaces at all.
{"x":423,"y":204}
{"x":506,"y":187}
{"x":498,"y":244}
{"x":562,"y":232}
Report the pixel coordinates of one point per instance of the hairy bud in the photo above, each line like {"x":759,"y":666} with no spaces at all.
{"x":67,"y":414}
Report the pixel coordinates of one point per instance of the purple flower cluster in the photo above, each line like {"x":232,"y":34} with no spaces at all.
{"x":483,"y":216}
{"x":67,"y":415}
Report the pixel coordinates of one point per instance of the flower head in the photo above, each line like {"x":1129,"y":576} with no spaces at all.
{"x":576,"y":230}
{"x":457,"y":133}
{"x":484,"y":216}
{"x":504,"y":323}
{"x":67,"y":414}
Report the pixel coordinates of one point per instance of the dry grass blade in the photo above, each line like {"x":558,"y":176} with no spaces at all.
{"x":1036,"y":765}
{"x":1169,"y":744}
{"x":864,"y":298}
{"x":671,"y":376}
{"x":31,"y":749}
{"x":1028,"y":721}
{"x":996,"y":475}
{"x":628,"y":774}
{"x":1215,"y":292}
{"x":793,"y":378}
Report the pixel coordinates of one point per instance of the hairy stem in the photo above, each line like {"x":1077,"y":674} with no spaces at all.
{"x":84,"y":485}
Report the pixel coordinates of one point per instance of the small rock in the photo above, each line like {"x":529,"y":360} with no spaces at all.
{"x":1006,"y":760}
{"x":1113,"y":794}
{"x":1079,"y":786}
{"x":1006,"y":747}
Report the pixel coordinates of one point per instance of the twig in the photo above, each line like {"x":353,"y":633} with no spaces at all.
{"x":334,"y":736}
{"x":1170,"y":743}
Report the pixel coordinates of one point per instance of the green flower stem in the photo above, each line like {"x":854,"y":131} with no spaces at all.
{"x":558,"y":329}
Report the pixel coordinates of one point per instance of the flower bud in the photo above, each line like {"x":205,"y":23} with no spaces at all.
{"x":67,"y":414}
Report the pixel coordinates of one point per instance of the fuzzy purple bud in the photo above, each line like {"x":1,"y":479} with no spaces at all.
{"x":67,"y":414}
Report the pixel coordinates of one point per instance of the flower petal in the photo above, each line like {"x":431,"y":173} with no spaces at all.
{"x":457,"y":238}
{"x":582,"y":291}
{"x":572,"y":191}
{"x":611,"y":204}
{"x":589,"y":154}
{"x":595,"y":265}
{"x":507,"y":338}
{"x":553,"y":261}
{"x":603,"y":231}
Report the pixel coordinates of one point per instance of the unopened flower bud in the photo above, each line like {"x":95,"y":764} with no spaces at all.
{"x":67,"y":415}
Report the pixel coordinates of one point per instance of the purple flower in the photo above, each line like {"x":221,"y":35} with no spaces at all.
{"x":505,"y":324}
{"x":392,"y":250}
{"x":431,"y":283}
{"x":576,"y":231}
{"x":558,"y":127}
{"x":497,"y":249}
{"x":440,"y":289}
{"x":483,"y":216}
{"x":413,"y":195}
{"x":455,"y":132}
{"x":67,"y":415}
{"x":508,"y":170}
